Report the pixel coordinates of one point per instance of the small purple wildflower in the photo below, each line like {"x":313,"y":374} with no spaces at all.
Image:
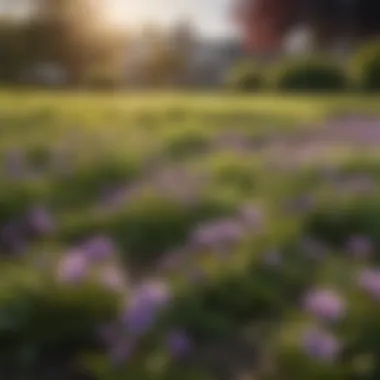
{"x":196,"y":275}
{"x":321,"y":345}
{"x":273,"y":258}
{"x":233,"y":141}
{"x":172,"y":260}
{"x":369,"y":280}
{"x":112,"y":278}
{"x":360,"y":246}
{"x":144,"y":307}
{"x":179,"y":343}
{"x":14,"y":162}
{"x":313,"y":249}
{"x":73,"y":267}
{"x":12,"y":238}
{"x":61,"y":160}
{"x":252,"y":216}
{"x":325,"y":304}
{"x":154,"y":292}
{"x":118,"y":196}
{"x":139,"y":319}
{"x":360,"y":184}
{"x":219,"y":234}
{"x":40,"y":221}
{"x":99,"y":248}
{"x":303,"y":204}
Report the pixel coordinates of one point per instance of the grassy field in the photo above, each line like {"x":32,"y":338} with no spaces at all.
{"x":200,"y":236}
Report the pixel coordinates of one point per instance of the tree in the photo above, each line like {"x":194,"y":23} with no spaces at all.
{"x":13,"y":50}
{"x":265,"y":23}
{"x":73,"y":34}
{"x":164,"y":59}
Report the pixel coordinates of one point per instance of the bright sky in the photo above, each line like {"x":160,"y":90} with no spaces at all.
{"x":212,"y":17}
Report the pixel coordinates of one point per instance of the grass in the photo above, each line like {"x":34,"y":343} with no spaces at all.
{"x":213,"y":193}
{"x":301,"y":106}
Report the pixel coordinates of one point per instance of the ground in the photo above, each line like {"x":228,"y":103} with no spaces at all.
{"x":223,"y":211}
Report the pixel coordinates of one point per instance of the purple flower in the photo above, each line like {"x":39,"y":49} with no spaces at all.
{"x":144,"y":307}
{"x":196,"y":275}
{"x":252,"y":216}
{"x":360,"y":184}
{"x":99,"y":248}
{"x":273,"y":258}
{"x":180,"y":184}
{"x":73,"y":267}
{"x":154,"y":292}
{"x":303,"y":204}
{"x":321,"y":345}
{"x":219,"y":234}
{"x":325,"y":304}
{"x":313,"y":249}
{"x":12,"y":238}
{"x":118,"y":196}
{"x":360,"y":246}
{"x":61,"y":160}
{"x":113,"y":278}
{"x":140,"y":319}
{"x":15,"y":164}
{"x":40,"y":221}
{"x":179,"y":343}
{"x":173,"y":259}
{"x":369,"y":280}
{"x":231,"y":140}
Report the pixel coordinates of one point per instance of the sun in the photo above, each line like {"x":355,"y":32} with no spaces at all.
{"x":127,"y":12}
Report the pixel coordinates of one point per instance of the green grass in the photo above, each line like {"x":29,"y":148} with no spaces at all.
{"x":78,"y":104}
{"x":172,"y":156}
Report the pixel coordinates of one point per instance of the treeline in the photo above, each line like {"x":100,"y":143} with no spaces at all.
{"x":66,"y":34}
{"x":266,"y":23}
{"x":69,"y":42}
{"x":361,"y":72}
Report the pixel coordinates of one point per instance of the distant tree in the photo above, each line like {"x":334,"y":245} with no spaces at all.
{"x":74,"y":35}
{"x":265,"y":23}
{"x":13,"y":50}
{"x":165,"y":60}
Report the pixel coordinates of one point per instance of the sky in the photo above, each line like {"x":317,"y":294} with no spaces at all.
{"x":211,"y":17}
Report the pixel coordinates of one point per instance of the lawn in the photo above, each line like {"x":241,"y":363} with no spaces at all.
{"x":189,"y":236}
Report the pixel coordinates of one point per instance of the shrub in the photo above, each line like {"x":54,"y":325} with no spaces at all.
{"x":309,"y":75}
{"x":336,"y":224}
{"x":366,"y":67}
{"x":102,"y":80}
{"x":46,"y":325}
{"x":245,"y":77}
{"x":186,"y":143}
{"x":88,"y":181}
{"x":149,"y":226}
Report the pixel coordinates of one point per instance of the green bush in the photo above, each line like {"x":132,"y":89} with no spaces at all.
{"x":184,"y":143}
{"x":88,"y":181}
{"x":149,"y":226}
{"x":336,"y":221}
{"x":44,"y":323}
{"x":245,"y":77}
{"x":310,"y":75}
{"x":366,"y":67}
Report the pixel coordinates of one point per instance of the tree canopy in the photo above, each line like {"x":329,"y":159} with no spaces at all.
{"x":265,"y":23}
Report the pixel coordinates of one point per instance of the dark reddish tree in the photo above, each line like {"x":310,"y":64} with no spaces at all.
{"x":265,"y":23}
